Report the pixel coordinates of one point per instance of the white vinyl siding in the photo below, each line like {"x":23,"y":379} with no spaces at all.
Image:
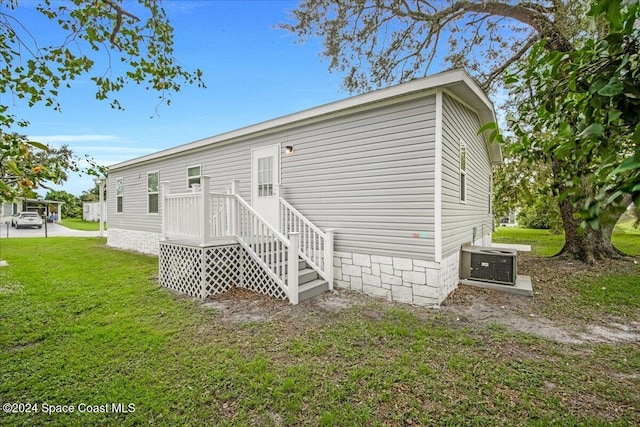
{"x":459,"y":219}
{"x":369,"y":175}
{"x":490,"y":195}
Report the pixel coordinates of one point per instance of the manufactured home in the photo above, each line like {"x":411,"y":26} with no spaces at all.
{"x":91,"y":211}
{"x":376,"y":193}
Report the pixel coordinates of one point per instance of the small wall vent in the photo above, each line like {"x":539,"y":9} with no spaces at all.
{"x":494,"y":265}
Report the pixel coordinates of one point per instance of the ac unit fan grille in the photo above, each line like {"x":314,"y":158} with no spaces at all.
{"x":492,"y":268}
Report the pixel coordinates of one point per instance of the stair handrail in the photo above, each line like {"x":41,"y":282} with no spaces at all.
{"x":302,"y":218}
{"x":316,"y":246}
{"x":274,"y":252}
{"x":244,"y":203}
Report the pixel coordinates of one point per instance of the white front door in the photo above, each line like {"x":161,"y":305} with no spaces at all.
{"x":265,"y":174}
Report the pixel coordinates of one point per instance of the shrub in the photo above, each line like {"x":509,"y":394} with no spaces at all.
{"x":542,"y":215}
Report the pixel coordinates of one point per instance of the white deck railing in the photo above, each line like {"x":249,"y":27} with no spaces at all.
{"x":205,"y":216}
{"x":181,"y":215}
{"x":221,"y":208}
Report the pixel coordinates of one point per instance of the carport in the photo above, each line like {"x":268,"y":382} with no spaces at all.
{"x":43,"y":207}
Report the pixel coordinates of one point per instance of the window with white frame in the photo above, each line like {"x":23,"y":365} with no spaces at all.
{"x":119,"y":194}
{"x":265,"y":176}
{"x":463,"y":172}
{"x":490,"y":194}
{"x":152,"y":192}
{"x":193,"y":175}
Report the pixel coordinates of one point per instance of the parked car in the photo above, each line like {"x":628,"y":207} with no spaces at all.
{"x":28,"y":219}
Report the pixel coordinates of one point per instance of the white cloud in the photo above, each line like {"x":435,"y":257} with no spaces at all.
{"x":66,"y":139}
{"x":120,"y":150}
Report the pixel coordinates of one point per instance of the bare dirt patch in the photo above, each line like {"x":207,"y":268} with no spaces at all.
{"x":238,"y":306}
{"x":476,"y":308}
{"x":550,"y":313}
{"x":536,"y":315}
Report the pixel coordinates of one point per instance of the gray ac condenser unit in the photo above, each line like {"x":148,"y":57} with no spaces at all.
{"x":488,"y":264}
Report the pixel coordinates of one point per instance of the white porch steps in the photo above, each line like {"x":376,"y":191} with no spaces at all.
{"x":310,"y":284}
{"x":216,"y":220}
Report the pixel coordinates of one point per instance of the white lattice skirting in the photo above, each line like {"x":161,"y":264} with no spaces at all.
{"x":202,"y":271}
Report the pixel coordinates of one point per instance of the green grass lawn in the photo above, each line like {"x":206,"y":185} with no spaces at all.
{"x":79,"y":224}
{"x":544,"y":243}
{"x":585,"y":294}
{"x":84,"y":324}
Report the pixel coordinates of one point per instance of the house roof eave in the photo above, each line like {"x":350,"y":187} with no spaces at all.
{"x":457,"y":80}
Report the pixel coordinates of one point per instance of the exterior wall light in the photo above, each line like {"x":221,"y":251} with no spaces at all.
{"x":288,"y":149}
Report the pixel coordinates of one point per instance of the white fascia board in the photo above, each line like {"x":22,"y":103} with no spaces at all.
{"x":463,"y":85}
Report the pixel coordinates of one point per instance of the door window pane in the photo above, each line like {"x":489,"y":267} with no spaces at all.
{"x":265,"y":176}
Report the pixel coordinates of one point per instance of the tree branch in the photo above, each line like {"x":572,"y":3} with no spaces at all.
{"x":532,"y":17}
{"x":496,"y":72}
{"x":119,"y":13}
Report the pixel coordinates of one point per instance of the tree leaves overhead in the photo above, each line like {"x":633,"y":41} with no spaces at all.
{"x":113,"y":42}
{"x":380,"y":42}
{"x":136,"y":49}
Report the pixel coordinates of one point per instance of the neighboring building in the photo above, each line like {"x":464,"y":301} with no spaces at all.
{"x":91,"y":211}
{"x":400,"y":174}
{"x":7,"y":209}
{"x":20,"y":204}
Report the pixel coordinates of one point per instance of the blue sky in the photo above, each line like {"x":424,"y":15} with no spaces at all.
{"x":253,"y":72}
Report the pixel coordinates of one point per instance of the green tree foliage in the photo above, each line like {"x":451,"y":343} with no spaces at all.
{"x":526,"y":188}
{"x":579,"y":115}
{"x":72,"y":207}
{"x":581,"y":109}
{"x":542,"y":214}
{"x":92,"y":194}
{"x":27,"y":165}
{"x":137,"y":48}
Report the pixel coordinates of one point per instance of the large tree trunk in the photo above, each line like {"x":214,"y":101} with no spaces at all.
{"x":590,"y":245}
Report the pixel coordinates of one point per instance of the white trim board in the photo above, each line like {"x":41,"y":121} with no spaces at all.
{"x":438,"y":178}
